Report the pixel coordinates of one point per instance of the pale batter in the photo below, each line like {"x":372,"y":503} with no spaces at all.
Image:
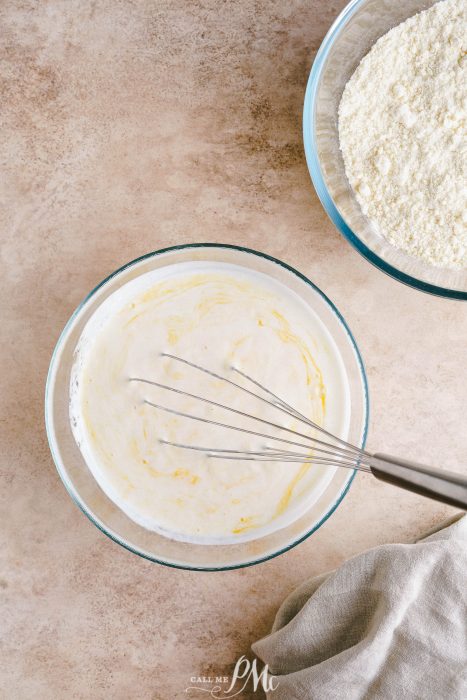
{"x":216,"y":315}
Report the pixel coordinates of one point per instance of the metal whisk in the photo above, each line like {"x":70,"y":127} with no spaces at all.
{"x":444,"y":486}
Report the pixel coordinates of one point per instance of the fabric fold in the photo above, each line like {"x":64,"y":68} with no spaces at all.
{"x":389,"y":623}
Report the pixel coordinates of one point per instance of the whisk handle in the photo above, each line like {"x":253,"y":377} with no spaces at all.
{"x":446,"y":487}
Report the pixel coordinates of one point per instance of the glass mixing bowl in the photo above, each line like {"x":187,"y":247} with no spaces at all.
{"x":82,"y":486}
{"x":351,"y":36}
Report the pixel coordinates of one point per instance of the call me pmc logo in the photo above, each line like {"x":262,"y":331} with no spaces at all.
{"x":245,"y":673}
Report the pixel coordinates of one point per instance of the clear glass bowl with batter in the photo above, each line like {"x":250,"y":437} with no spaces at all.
{"x":357,"y":28}
{"x":112,"y":520}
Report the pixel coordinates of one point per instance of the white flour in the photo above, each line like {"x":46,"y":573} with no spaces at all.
{"x":402,"y":134}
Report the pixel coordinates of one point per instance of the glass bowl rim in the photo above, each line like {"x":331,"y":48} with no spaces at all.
{"x":314,"y":167}
{"x":62,"y":470}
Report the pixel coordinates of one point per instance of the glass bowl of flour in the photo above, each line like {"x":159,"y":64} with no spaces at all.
{"x":384,"y":133}
{"x":219,"y":307}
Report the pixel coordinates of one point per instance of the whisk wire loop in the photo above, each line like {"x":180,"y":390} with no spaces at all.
{"x":322,"y":452}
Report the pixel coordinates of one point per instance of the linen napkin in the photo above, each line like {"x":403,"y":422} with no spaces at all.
{"x":389,"y":623}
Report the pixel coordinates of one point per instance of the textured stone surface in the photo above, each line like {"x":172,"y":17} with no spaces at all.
{"x":129,"y":126}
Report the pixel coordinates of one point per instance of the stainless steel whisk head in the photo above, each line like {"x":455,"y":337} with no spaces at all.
{"x":327,"y":450}
{"x":335,"y":453}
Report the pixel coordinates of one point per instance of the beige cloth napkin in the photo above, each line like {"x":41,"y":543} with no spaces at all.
{"x":389,"y":623}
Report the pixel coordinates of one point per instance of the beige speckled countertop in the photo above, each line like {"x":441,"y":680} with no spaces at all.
{"x":129,"y":126}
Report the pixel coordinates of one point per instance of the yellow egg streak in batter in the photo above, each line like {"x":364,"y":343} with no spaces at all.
{"x":221,"y":316}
